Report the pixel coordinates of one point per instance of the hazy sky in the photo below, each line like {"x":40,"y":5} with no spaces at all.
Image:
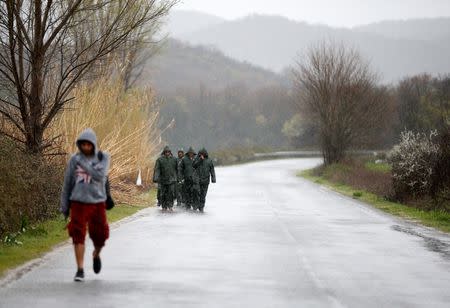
{"x":331,"y":12}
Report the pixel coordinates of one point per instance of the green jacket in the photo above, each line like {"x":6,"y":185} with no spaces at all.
{"x":186,"y":169}
{"x":204,"y":168}
{"x":165,"y":170}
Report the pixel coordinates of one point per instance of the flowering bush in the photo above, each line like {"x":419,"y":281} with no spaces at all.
{"x":413,"y":161}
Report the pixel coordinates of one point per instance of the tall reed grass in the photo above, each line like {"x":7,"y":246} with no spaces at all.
{"x":126,"y":124}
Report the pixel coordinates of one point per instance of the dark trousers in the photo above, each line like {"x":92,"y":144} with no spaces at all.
{"x":158,"y":195}
{"x":179,"y":193}
{"x":189,"y":194}
{"x":202,"y":195}
{"x":167,"y":195}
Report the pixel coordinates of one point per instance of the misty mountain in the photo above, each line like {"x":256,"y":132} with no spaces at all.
{"x":180,"y":22}
{"x":180,"y":65}
{"x":275,"y":42}
{"x":216,"y":101}
{"x":415,"y":29}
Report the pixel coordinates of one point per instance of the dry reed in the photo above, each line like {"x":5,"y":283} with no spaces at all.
{"x":126,"y":124}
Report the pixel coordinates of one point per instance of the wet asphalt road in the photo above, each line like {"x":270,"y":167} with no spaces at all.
{"x":268,"y":239}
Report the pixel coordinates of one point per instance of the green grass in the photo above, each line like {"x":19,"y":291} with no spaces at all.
{"x":436,"y":219}
{"x":382,"y":167}
{"x":42,"y":237}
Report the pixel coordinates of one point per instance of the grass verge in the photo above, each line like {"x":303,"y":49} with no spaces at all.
{"x":42,"y":237}
{"x":433,"y":218}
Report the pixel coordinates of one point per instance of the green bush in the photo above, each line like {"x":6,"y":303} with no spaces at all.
{"x":29,"y":187}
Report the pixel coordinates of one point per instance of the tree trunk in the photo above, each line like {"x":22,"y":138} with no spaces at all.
{"x":34,"y":131}
{"x":34,"y":139}
{"x":332,"y":151}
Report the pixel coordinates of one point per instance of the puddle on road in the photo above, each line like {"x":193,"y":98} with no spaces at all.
{"x":432,"y":244}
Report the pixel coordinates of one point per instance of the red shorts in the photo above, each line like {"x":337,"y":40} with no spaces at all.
{"x":91,"y":215}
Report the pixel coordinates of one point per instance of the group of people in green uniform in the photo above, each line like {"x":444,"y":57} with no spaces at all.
{"x":185,"y":178}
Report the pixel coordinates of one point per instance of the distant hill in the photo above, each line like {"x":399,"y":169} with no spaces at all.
{"x":180,"y":22}
{"x":415,"y":29}
{"x":275,"y":42}
{"x":180,"y":65}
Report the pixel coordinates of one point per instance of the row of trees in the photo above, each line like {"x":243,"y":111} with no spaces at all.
{"x":49,"y":47}
{"x":224,"y":118}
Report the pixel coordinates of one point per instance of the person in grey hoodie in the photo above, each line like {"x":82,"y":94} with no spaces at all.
{"x":83,"y":198}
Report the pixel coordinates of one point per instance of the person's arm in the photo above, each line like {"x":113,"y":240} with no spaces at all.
{"x":213,"y":172}
{"x":69,"y":179}
{"x":156,"y":171}
{"x":197,"y":161}
{"x":99,"y":171}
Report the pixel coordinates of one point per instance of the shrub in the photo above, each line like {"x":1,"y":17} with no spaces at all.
{"x":353,"y":172}
{"x":413,"y":161}
{"x":29,"y":187}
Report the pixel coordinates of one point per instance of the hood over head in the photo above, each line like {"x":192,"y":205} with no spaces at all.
{"x":88,"y":135}
{"x":203,"y":152}
{"x":191,"y":150}
{"x":166,"y":149}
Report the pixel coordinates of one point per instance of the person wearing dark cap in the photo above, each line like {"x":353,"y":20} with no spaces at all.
{"x":165,"y":174}
{"x":186,"y":174}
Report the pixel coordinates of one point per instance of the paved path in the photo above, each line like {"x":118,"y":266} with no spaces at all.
{"x":268,"y":239}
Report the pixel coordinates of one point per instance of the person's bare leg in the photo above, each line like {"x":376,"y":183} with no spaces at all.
{"x":79,"y":255}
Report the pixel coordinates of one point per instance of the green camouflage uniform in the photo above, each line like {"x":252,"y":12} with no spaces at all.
{"x":204,"y":173}
{"x":165,"y":174}
{"x":186,"y":174}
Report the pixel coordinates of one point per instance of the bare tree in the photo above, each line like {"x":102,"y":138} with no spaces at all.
{"x":48,"y":46}
{"x":134,"y":55}
{"x":336,"y":89}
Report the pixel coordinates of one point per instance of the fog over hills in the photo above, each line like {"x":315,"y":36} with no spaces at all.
{"x":180,"y":65}
{"x":395,"y":48}
{"x":416,"y":29}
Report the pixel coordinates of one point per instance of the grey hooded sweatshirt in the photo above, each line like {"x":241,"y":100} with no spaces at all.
{"x":85,"y":177}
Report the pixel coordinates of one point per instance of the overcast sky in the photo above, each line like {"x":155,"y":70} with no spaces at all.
{"x":331,"y":12}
